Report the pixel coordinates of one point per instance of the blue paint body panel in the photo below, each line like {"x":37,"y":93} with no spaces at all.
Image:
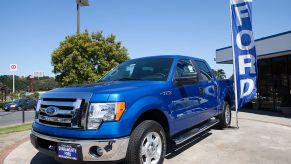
{"x":184,"y":108}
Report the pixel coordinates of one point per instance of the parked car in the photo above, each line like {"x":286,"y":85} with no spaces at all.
{"x":133,"y":112}
{"x":20,"y":104}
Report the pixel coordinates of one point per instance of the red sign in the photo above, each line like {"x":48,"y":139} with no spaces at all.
{"x":13,"y":67}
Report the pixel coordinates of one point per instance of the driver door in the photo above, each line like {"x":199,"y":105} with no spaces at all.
{"x":185,"y":105}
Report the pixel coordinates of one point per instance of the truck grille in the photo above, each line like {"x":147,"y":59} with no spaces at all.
{"x":64,"y":112}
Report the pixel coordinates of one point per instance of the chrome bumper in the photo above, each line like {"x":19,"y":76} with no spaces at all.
{"x":113,"y":149}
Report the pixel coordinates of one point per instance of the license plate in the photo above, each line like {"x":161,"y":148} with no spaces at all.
{"x":67,"y":152}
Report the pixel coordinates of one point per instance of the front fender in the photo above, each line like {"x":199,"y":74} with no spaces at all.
{"x":141,"y":106}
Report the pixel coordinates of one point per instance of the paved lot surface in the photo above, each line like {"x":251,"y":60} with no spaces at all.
{"x":15,"y":117}
{"x":8,"y":142}
{"x":260,"y":139}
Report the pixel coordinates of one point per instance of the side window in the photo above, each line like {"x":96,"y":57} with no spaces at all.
{"x":204,"y":70}
{"x":184,"y":66}
{"x":21,"y":101}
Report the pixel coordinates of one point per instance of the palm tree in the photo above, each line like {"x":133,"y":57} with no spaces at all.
{"x":219,"y":74}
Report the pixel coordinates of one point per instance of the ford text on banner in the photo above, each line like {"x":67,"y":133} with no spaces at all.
{"x":244,"y":51}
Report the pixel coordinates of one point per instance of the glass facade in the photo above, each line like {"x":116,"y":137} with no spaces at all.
{"x":274,"y":84}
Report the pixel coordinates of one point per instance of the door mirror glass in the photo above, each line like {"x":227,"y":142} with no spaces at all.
{"x":187,"y":78}
{"x":185,"y":72}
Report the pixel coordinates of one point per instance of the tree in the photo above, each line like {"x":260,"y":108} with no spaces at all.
{"x":21,"y":94}
{"x":13,"y":96}
{"x":45,"y":84}
{"x":86,"y":57}
{"x":1,"y":96}
{"x":219,"y":74}
{"x":22,"y":83}
{"x":231,"y":77}
{"x":34,"y":95}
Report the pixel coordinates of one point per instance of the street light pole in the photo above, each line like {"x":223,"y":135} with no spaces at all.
{"x":79,"y":4}
{"x":78,"y":18}
{"x":13,"y":83}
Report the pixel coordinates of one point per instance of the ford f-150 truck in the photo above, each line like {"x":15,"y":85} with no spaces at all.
{"x":133,"y":112}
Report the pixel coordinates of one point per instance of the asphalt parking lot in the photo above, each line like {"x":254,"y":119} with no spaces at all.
{"x":260,"y":139}
{"x":15,"y":117}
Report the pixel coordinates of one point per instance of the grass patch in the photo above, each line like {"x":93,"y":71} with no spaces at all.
{"x":17,"y":128}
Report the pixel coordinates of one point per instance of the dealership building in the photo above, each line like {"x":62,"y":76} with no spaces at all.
{"x":274,"y":71}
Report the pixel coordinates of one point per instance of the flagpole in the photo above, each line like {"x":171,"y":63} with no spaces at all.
{"x":234,"y":68}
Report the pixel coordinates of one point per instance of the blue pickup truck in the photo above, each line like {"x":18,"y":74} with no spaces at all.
{"x":133,"y":112}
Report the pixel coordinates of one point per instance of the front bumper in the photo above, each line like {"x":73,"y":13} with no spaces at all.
{"x":113,"y":149}
{"x":10,"y":108}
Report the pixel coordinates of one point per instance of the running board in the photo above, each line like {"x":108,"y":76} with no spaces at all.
{"x":197,"y":130}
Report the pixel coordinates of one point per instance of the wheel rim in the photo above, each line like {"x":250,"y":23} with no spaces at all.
{"x":227,"y":115}
{"x":151,"y":148}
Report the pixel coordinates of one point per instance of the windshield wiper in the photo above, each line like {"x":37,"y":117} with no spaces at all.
{"x":128,"y":78}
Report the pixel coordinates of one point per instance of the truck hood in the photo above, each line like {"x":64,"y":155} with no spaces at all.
{"x":109,"y":87}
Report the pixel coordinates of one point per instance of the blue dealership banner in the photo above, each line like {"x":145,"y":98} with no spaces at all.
{"x":244,"y":51}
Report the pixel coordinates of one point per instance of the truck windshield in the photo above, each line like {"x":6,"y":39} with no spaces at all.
{"x":16,"y":101}
{"x":151,"y":69}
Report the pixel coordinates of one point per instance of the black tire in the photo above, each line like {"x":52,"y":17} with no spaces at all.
{"x":223,"y":122}
{"x":138,"y":136}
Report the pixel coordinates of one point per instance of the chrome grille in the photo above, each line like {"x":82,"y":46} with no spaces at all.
{"x":66,"y":112}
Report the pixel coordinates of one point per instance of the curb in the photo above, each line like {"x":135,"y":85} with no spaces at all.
{"x":4,"y":153}
{"x":11,"y":125}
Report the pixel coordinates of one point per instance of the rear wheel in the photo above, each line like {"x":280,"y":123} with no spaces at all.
{"x":147,"y":144}
{"x":225,"y":116}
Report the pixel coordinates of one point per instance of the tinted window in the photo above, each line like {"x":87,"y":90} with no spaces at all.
{"x":154,"y":69}
{"x":204,"y":70}
{"x":184,"y":66}
{"x":15,"y":101}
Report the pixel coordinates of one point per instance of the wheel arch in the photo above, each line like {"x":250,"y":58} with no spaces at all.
{"x":155,"y":115}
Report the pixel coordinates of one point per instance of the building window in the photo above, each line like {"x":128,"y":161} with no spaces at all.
{"x":274,"y":83}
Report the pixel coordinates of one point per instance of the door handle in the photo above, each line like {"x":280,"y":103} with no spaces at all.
{"x":215,"y":87}
{"x":201,"y":90}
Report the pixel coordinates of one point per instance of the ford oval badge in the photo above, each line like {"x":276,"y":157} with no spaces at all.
{"x":51,"y":111}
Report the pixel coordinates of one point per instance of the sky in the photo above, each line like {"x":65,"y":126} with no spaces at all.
{"x":30,"y":30}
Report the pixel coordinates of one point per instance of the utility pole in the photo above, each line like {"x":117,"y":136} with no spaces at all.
{"x":79,"y":4}
{"x":78,"y":18}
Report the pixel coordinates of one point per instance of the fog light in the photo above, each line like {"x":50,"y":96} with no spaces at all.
{"x":96,"y":151}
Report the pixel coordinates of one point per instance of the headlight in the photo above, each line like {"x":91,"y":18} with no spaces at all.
{"x":13,"y":105}
{"x":38,"y":105}
{"x":37,"y":109}
{"x":99,"y":112}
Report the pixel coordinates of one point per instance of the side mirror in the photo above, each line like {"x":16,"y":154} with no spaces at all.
{"x":187,"y":78}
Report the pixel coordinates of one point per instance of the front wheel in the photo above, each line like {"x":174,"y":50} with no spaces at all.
{"x":147,"y":144}
{"x":225,"y":116}
{"x":19,"y":108}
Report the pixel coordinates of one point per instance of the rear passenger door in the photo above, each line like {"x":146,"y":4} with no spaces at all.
{"x":208,"y":88}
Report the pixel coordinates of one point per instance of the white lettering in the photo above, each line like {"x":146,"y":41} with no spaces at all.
{"x":240,"y":15}
{"x":234,"y":2}
{"x":243,"y":65}
{"x":239,"y":37}
{"x":249,"y":89}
